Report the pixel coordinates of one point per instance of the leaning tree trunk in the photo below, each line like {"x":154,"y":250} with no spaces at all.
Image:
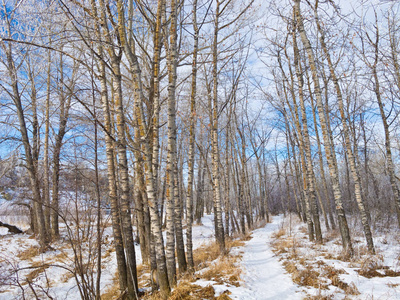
{"x":321,"y":165}
{"x":31,"y":165}
{"x":388,"y":147}
{"x":219,"y":234}
{"x":351,"y":155}
{"x":124,"y":208}
{"x":301,"y":144}
{"x":193,"y":118}
{"x":330,"y":154}
{"x":143,"y":129}
{"x":46,"y":181}
{"x":307,"y":147}
{"x":122,"y":267}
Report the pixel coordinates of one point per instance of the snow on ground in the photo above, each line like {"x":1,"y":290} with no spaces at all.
{"x":324,"y":273}
{"x":263,"y":275}
{"x":265,"y":261}
{"x":19,"y":252}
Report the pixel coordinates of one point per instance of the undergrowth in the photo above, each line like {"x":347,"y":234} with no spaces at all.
{"x":322,"y":266}
{"x":209,"y":265}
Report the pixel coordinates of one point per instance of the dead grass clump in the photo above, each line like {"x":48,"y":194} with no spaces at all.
{"x":29,"y":253}
{"x":246,"y":237}
{"x":332,"y":235}
{"x":303,"y":276}
{"x":232,"y":243}
{"x":187,"y":291}
{"x":370,"y":265}
{"x":284,"y":246}
{"x":35,"y":273}
{"x":183,"y":291}
{"x":113,"y":292}
{"x":224,"y":296}
{"x":207,"y":292}
{"x":320,"y":297}
{"x":277,"y":234}
{"x":260,"y":224}
{"x":391,"y":273}
{"x":361,"y":251}
{"x":60,"y":257}
{"x":224,"y":270}
{"x":108,"y":252}
{"x":351,"y":289}
{"x":143,"y":275}
{"x":333,"y":274}
{"x":67,"y":276}
{"x":303,"y":229}
{"x":205,"y":254}
{"x":329,"y":255}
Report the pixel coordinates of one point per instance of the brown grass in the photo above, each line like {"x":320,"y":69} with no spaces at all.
{"x":29,"y":253}
{"x":204,"y":254}
{"x":187,"y":291}
{"x":67,"y":276}
{"x":287,"y":245}
{"x":224,"y":270}
{"x":333,"y":274}
{"x":143,"y":275}
{"x":218,"y":267}
{"x":320,"y":297}
{"x":278,"y":234}
{"x":304,"y":276}
{"x":61,"y":257}
{"x":36,"y":272}
{"x":112,"y":291}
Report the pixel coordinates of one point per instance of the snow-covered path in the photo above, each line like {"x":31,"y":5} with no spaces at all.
{"x":263,"y":276}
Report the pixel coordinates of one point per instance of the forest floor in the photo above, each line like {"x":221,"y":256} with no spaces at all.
{"x":323,"y":272}
{"x":275,"y":261}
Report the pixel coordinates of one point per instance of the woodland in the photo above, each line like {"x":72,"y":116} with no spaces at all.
{"x":125,"y":125}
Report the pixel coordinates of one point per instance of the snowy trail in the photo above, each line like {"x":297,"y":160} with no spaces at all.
{"x":264,"y":276}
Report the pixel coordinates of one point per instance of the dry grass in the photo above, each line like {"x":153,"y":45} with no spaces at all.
{"x":29,"y":254}
{"x":372,"y":266}
{"x":187,"y":291}
{"x":204,"y":254}
{"x":143,"y":275}
{"x":287,"y":245}
{"x":320,"y":297}
{"x":61,"y":257}
{"x":304,"y":276}
{"x":108,"y":252}
{"x":224,"y":270}
{"x":210,"y":264}
{"x":67,"y":276}
{"x":38,"y":269}
{"x":113,"y":292}
{"x":278,"y":234}
{"x":331,"y":235}
{"x":301,"y":264}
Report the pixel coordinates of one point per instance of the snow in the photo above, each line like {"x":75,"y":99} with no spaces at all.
{"x":62,"y":283}
{"x":264,"y":277}
{"x":327,"y":255}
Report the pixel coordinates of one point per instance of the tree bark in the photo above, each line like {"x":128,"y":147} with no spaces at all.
{"x":330,"y":155}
